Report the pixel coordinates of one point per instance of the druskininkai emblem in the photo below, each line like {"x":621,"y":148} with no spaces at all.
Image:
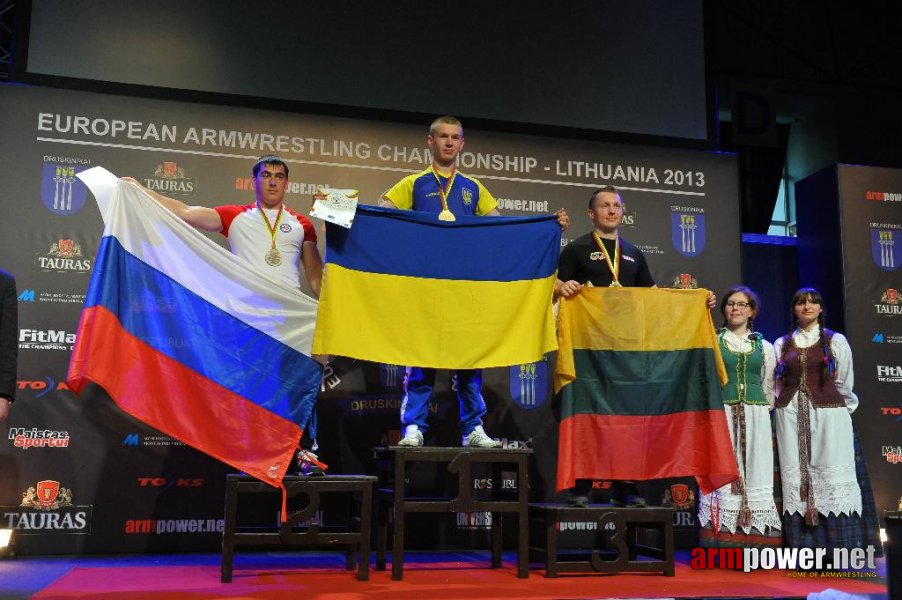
{"x":886,"y":249}
{"x":687,"y":232}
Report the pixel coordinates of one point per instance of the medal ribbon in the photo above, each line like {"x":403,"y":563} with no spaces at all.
{"x":443,"y":191}
{"x":614,"y":265}
{"x":271,"y":228}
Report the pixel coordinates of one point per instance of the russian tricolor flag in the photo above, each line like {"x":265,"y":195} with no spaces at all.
{"x":191,"y":340}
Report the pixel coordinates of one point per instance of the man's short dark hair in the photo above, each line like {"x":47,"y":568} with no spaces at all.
{"x":609,"y":189}
{"x":269,"y":159}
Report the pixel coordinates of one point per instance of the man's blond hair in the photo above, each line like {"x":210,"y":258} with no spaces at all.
{"x":446,"y":120}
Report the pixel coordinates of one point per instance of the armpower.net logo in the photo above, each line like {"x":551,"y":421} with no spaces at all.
{"x":800,"y":562}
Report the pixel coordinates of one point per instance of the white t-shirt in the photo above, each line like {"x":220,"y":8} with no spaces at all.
{"x":250,"y":239}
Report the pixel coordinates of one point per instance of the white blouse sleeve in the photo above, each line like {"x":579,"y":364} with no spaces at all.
{"x":767,"y":371}
{"x":778,"y":382}
{"x":845,"y":375}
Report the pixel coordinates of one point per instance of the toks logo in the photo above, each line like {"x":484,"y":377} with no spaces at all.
{"x":891,"y":411}
{"x":43,"y":388}
{"x":166,"y":482}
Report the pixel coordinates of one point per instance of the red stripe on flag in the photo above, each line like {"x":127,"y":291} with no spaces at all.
{"x":176,"y":400}
{"x":686,"y":444}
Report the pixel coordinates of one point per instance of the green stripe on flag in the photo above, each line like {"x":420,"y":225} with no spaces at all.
{"x":642,"y":383}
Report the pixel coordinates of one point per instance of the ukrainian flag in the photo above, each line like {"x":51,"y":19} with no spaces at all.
{"x":402,"y":287}
{"x":639,"y":374}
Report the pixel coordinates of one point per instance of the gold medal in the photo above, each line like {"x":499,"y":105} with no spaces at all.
{"x":446,"y":214}
{"x":273,"y":258}
{"x":613,"y":265}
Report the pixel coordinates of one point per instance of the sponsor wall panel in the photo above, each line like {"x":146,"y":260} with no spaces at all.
{"x":682,"y":211}
{"x":870,"y":201}
{"x":849,"y":250}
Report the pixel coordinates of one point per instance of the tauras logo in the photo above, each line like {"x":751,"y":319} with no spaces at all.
{"x":46,"y":508}
{"x":890,"y":303}
{"x":64,"y":255}
{"x":38,"y":438}
{"x":169,"y":177}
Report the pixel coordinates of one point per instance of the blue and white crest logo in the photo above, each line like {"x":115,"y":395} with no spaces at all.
{"x":467,"y":196}
{"x":886,"y":249}
{"x":391,"y":376}
{"x":61,"y":191}
{"x":529,"y":384}
{"x":688,"y":233}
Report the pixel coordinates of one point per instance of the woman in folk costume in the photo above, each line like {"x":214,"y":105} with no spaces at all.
{"x":743,"y":513}
{"x":821,"y":497}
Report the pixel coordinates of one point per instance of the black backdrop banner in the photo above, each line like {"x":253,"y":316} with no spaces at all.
{"x":862,"y":206}
{"x":78,"y":475}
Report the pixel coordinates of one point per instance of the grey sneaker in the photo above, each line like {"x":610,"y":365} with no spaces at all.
{"x":309,"y":464}
{"x":479,"y":439}
{"x":413,"y":437}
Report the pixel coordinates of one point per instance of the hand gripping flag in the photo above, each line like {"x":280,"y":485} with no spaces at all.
{"x":639,"y":375}
{"x":191,"y":340}
{"x":402,"y":287}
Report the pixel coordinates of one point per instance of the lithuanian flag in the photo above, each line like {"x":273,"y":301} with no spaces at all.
{"x":402,"y":287}
{"x":639,"y":375}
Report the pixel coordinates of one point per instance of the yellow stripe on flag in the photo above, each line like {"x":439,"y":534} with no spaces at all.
{"x":633,"y":320}
{"x":438,"y":323}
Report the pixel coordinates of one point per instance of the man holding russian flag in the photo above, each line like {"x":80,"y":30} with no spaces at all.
{"x":276,"y":241}
{"x":444,"y":190}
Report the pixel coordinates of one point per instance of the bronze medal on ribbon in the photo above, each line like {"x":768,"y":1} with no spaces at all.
{"x":273,"y":258}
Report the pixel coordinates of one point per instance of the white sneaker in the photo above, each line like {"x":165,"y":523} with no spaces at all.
{"x":413,"y":437}
{"x":479,"y":439}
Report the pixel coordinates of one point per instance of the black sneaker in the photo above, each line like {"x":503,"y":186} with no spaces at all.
{"x":626,"y":495}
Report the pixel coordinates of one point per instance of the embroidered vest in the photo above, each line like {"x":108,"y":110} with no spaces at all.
{"x":803,"y":370}
{"x":744,"y":374}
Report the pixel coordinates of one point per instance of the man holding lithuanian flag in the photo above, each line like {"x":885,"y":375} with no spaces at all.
{"x":637,"y":369}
